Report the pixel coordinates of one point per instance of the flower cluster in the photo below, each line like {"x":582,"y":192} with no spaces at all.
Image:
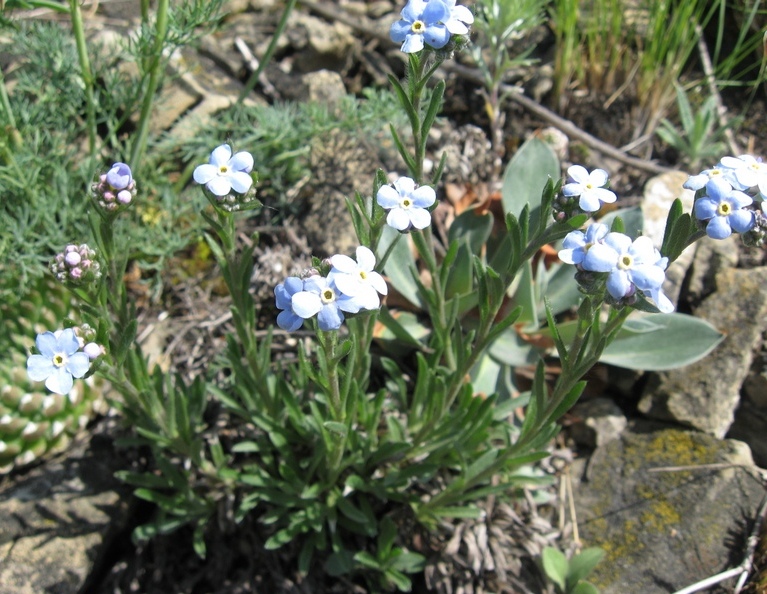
{"x":724,"y":191}
{"x":349,"y":287}
{"x":430,"y":22}
{"x":407,"y":204}
{"x":61,"y":357}
{"x":631,"y":266}
{"x":115,"y":188}
{"x":584,"y":192}
{"x":228,"y":177}
{"x":77,"y":264}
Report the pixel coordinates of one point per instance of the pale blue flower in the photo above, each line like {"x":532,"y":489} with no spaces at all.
{"x":358,"y":279}
{"x":322,"y":298}
{"x":59,"y":360}
{"x":459,"y":19}
{"x":288,"y":319}
{"x":420,"y":22}
{"x":407,"y":204}
{"x":590,"y":188}
{"x":225,"y":172}
{"x":577,"y":244}
{"x":749,"y":171}
{"x":119,"y":176}
{"x":637,"y":265}
{"x":722,"y":207}
{"x":696,"y":182}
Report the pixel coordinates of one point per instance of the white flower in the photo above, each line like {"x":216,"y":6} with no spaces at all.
{"x":589,"y":186}
{"x":460,"y":17}
{"x":407,"y":204}
{"x":225,"y":172}
{"x":358,"y":279}
{"x":59,"y":360}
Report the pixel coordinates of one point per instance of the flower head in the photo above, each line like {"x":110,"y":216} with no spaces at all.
{"x":288,"y":319}
{"x":358,"y":279}
{"x":422,"y":21}
{"x":116,"y":188}
{"x":577,"y":244}
{"x":407,"y":204}
{"x":226,"y":172}
{"x":634,"y":265}
{"x":77,"y":265}
{"x":322,"y":298}
{"x":748,"y":172}
{"x":589,"y":187}
{"x":722,"y":208}
{"x":60,"y":360}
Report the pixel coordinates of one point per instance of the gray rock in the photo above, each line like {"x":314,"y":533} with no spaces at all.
{"x":54,"y":522}
{"x":705,"y":394}
{"x":711,"y":257}
{"x":597,"y":422}
{"x":663,"y":530}
{"x":750,"y":423}
{"x":659,"y":194}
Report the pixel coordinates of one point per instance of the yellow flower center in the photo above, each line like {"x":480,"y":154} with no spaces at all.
{"x":223,"y":170}
{"x":363,"y":275}
{"x":625,"y":262}
{"x":406,"y":203}
{"x":418,"y":27}
{"x":59,"y":360}
{"x":724,"y":209}
{"x":328,"y":296}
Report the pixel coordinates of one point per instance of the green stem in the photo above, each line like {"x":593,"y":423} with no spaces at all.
{"x":78,"y":31}
{"x":5,"y":103}
{"x":253,"y":80}
{"x":155,"y":74}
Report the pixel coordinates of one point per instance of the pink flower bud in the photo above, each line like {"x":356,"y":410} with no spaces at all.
{"x":93,"y":350}
{"x":72,"y":259}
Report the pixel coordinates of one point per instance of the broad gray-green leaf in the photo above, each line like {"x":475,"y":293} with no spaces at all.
{"x":400,"y":265}
{"x":656,"y":342}
{"x":633,"y":220}
{"x":555,"y":566}
{"x":526,"y":175}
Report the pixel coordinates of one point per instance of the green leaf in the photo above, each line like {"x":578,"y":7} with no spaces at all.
{"x":352,"y":512}
{"x":584,"y":588}
{"x":655,"y":342}
{"x":555,"y":566}
{"x":526,"y":176}
{"x":339,"y":563}
{"x":400,"y":266}
{"x":632,"y":218}
{"x":582,"y":564}
{"x":335,"y":427}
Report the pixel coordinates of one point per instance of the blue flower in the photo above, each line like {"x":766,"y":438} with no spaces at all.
{"x":119,"y":177}
{"x":722,"y":207}
{"x":407,"y":204}
{"x":288,"y":319}
{"x":421,"y":21}
{"x":322,"y":298}
{"x":358,"y":279}
{"x":59,"y":360}
{"x":577,"y":244}
{"x":224,"y":172}
{"x":589,"y":186}
{"x":636,"y":265}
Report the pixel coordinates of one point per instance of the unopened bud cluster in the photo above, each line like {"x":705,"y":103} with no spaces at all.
{"x":115,"y":188}
{"x":76,"y":264}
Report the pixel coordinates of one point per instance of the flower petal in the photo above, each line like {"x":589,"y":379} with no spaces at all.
{"x":424,"y":196}
{"x":47,"y":344}
{"x":39,"y":367}
{"x":388,"y":197}
{"x":240,"y":181}
{"x":413,"y":43}
{"x":718,"y":228}
{"x":220,"y":155}
{"x":330,"y":317}
{"x":219,"y":186}
{"x":306,"y":304}
{"x":78,"y":364}
{"x":60,"y":381}
{"x":204,"y":173}
{"x":578,"y":173}
{"x":398,"y":219}
{"x":366,"y":258}
{"x":343,"y":264}
{"x":420,"y":218}
{"x":242,"y":161}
